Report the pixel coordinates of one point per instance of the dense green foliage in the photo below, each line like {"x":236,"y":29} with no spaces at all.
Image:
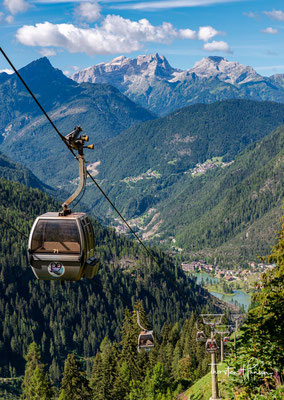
{"x":118,"y":371}
{"x":28,"y":137}
{"x":77,"y":316}
{"x":259,"y":362}
{"x":36,"y":384}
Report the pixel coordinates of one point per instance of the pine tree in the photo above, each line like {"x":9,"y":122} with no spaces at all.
{"x":129,"y":342}
{"x":36,"y":384}
{"x":121,"y":382}
{"x":102,"y":378}
{"x":74,"y":385}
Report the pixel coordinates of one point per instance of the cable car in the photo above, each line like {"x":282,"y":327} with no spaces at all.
{"x":62,"y":247}
{"x":146,"y":338}
{"x":200,"y":336}
{"x":145,"y":341}
{"x":211,"y":345}
{"x":61,"y":244}
{"x":226,"y":339}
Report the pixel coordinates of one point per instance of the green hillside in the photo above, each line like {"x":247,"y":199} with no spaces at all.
{"x":77,"y":316}
{"x":161,"y":180}
{"x":191,"y":135}
{"x":240,"y":204}
{"x":201,"y":390}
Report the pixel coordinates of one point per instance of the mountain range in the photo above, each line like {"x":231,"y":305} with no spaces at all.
{"x":27,"y":136}
{"x":152,"y":82}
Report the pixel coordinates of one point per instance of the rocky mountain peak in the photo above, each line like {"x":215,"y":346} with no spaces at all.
{"x":227,"y":71}
{"x":42,"y":71}
{"x":122,"y":69}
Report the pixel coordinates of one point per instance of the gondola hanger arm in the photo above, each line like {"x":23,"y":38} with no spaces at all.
{"x":138,"y":321}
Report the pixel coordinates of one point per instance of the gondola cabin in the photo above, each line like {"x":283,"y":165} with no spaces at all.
{"x":62,"y":247}
{"x":226,"y":339}
{"x":200,"y":336}
{"x":211,"y":345}
{"x":145,"y":341}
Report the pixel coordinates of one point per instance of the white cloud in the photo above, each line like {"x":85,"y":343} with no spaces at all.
{"x":275,"y":14}
{"x":158,"y":5}
{"x":251,"y":14}
{"x":8,"y":71}
{"x":217,"y":46}
{"x":47,"y":52}
{"x":9,"y":19}
{"x":74,"y":68}
{"x":206,"y":33}
{"x":115,"y":35}
{"x":187,"y":34}
{"x":16,"y":6}
{"x":270,"y":30}
{"x":89,"y":11}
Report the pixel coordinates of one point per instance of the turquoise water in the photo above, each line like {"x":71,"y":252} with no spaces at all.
{"x":205,"y":277}
{"x":240,"y":297}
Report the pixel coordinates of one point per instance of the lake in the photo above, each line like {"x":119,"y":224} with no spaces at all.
{"x":239,"y":296}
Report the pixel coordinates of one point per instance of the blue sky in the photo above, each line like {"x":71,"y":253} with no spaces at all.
{"x":77,"y":34}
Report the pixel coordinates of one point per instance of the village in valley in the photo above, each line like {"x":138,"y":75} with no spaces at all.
{"x":224,"y":280}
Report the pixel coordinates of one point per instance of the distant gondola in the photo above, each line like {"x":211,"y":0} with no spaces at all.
{"x":211,"y":345}
{"x":145,"y":341}
{"x":200,"y":336}
{"x":146,"y":338}
{"x":226,"y":339}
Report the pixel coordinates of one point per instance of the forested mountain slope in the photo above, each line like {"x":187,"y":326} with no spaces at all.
{"x":169,"y":174}
{"x":77,"y":316}
{"x":235,"y":210}
{"x":26,"y":134}
{"x":16,"y":172}
{"x":191,"y":135}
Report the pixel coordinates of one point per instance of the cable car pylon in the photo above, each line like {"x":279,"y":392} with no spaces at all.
{"x":61,"y":244}
{"x":223,"y":340}
{"x":211,"y":346}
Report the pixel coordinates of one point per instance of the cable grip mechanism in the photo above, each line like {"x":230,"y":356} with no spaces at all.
{"x":76,"y":141}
